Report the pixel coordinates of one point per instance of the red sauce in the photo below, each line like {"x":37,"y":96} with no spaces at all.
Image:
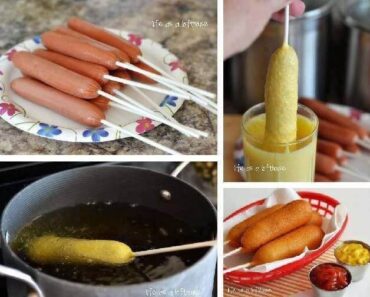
{"x":330,"y":277}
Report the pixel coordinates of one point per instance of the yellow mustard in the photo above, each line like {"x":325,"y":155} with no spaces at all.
{"x":353,"y":254}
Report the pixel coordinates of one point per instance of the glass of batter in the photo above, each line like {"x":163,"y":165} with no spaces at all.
{"x":279,"y":162}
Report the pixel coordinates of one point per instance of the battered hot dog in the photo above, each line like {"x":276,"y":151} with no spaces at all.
{"x":237,"y":231}
{"x":336,"y":133}
{"x":78,"y":49}
{"x":289,"y":245}
{"x":56,"y":76}
{"x":91,"y":70}
{"x":69,"y":32}
{"x":326,"y":113}
{"x":66,"y":105}
{"x":50,"y":249}
{"x":316,"y":219}
{"x":281,"y":96}
{"x":282,"y":221}
{"x":105,"y":36}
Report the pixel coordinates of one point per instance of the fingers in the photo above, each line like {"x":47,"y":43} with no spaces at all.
{"x":297,"y":8}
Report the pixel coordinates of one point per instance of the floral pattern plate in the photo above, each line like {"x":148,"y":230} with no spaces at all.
{"x":37,"y":120}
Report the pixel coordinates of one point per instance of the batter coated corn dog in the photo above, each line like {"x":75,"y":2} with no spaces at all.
{"x":293,"y":215}
{"x":51,"y":249}
{"x":237,"y":231}
{"x":281,"y":96}
{"x":289,"y":245}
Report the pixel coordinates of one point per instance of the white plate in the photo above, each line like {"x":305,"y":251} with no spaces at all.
{"x":43,"y":122}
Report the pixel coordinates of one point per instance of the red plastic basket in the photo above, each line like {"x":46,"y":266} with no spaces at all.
{"x":323,"y":204}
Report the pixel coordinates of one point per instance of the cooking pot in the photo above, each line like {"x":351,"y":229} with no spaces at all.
{"x":101,"y":184}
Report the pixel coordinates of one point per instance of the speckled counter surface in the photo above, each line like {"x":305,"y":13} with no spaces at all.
{"x":196,"y":48}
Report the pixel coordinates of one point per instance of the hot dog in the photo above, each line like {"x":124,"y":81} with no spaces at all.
{"x":69,"y":32}
{"x":143,"y":78}
{"x":336,"y":133}
{"x":66,"y":105}
{"x":325,"y":165}
{"x":56,"y":76}
{"x":326,"y":113}
{"x":322,"y":178}
{"x":78,"y":49}
{"x":329,"y":148}
{"x":282,"y":221}
{"x":237,"y":231}
{"x":91,"y":70}
{"x":353,"y":148}
{"x":105,"y":36}
{"x":289,"y":245}
{"x":335,"y":176}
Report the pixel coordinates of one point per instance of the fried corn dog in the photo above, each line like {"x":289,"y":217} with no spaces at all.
{"x":50,"y":249}
{"x":289,"y":245}
{"x":237,"y":231}
{"x":316,"y":219}
{"x":293,"y":215}
{"x":281,"y":96}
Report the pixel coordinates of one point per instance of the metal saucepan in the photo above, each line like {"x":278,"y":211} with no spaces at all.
{"x":101,"y":184}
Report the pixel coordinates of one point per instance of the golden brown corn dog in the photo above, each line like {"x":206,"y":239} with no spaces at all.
{"x":289,"y":245}
{"x":293,"y":215}
{"x":316,"y":219}
{"x":237,"y":231}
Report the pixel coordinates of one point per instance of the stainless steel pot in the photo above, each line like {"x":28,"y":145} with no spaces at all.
{"x":356,"y":15}
{"x":108,"y":183}
{"x":309,"y":35}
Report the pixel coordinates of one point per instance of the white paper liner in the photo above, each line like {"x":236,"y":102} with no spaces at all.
{"x":330,"y":227}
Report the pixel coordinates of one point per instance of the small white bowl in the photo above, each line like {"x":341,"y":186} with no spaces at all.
{"x":358,"y":271}
{"x":318,"y":292}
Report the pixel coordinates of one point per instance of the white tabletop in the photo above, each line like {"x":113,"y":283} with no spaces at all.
{"x":357,"y":202}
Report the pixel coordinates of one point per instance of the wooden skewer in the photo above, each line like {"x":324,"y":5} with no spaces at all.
{"x":141,"y":138}
{"x":142,"y":112}
{"x":226,"y":242}
{"x":243,"y":266}
{"x":171,"y":79}
{"x":363,"y":144}
{"x":177,"y":248}
{"x":286,"y":24}
{"x":233,"y":252}
{"x":356,"y":156}
{"x":350,"y":172}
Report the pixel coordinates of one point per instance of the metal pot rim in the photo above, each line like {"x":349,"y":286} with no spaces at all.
{"x":102,"y":287}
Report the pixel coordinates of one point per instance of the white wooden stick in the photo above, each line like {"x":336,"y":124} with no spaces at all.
{"x":286,"y":26}
{"x":233,"y":252}
{"x":243,"y":266}
{"x":141,"y":138}
{"x":226,"y":242}
{"x":144,"y":86}
{"x":356,"y":156}
{"x":350,"y":172}
{"x":134,"y":109}
{"x":363,"y":144}
{"x":169,"y":77}
{"x":183,"y":247}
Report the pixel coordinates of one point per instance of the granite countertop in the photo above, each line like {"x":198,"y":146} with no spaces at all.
{"x":196,"y":48}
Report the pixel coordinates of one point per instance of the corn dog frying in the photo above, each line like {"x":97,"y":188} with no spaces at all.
{"x":293,"y":215}
{"x":289,"y":245}
{"x":281,"y":96}
{"x":237,"y":231}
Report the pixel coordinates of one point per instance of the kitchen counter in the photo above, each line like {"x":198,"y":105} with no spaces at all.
{"x":196,"y":48}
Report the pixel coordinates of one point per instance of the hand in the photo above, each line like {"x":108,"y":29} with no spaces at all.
{"x":244,"y":20}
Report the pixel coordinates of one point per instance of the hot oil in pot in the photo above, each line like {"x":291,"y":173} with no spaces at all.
{"x":139,"y":227}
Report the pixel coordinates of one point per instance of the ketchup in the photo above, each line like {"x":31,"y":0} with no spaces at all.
{"x":330,"y":277}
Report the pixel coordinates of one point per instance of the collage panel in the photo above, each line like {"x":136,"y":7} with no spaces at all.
{"x":299,"y":242}
{"x":296,"y":87}
{"x":108,"y":77}
{"x":108,"y":229}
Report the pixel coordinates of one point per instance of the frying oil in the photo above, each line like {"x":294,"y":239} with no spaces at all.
{"x":140,"y":227}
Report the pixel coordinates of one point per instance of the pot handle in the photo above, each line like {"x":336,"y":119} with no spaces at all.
{"x":23,"y":277}
{"x":179,"y":168}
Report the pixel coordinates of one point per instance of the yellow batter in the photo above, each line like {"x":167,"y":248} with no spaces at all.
{"x":277,"y":162}
{"x":51,"y":249}
{"x":281,"y":96}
